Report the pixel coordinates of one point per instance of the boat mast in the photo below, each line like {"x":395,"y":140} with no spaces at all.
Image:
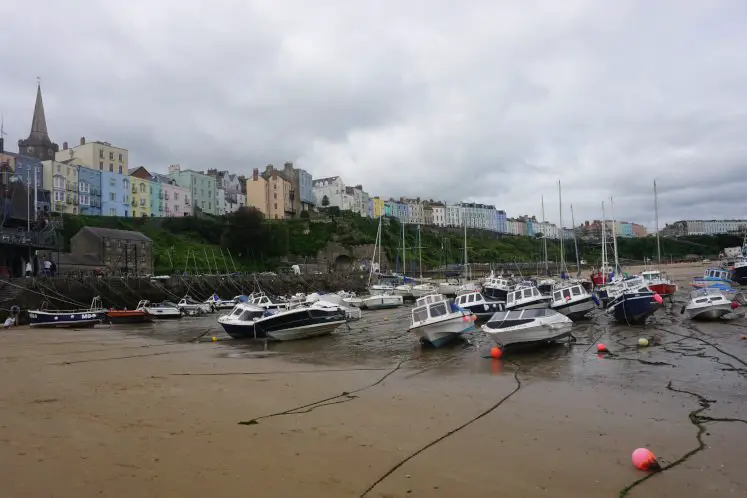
{"x":544,"y":236}
{"x":575,"y":243}
{"x":604,"y":241}
{"x":404,"y":255}
{"x":377,"y":245}
{"x":420,"y":254}
{"x":656,"y":213}
{"x":560,"y":229}
{"x":466,"y":264}
{"x":614,"y":236}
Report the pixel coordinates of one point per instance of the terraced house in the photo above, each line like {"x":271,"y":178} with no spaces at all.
{"x":140,"y":195}
{"x":202,"y":189}
{"x":63,"y":179}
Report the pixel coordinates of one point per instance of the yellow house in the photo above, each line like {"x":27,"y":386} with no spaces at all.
{"x":63,"y":179}
{"x":140,"y":196}
{"x":378,"y":207}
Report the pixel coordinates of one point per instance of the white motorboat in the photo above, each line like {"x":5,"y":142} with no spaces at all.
{"x":527,"y":326}
{"x":480,"y":307}
{"x":239,"y":324}
{"x":404,"y":290}
{"x":161,"y":311}
{"x":572,"y":300}
{"x":381,"y":288}
{"x":304,"y":322}
{"x":469,"y":287}
{"x":436,"y":321}
{"x":220,"y":304}
{"x":337,"y":299}
{"x":381,"y":301}
{"x":496,"y":287}
{"x":426,"y":289}
{"x":191,"y":307}
{"x":350,"y":299}
{"x":526,"y":296}
{"x":545,"y":286}
{"x":709,"y":304}
{"x":264,"y":301}
{"x":449,"y":288}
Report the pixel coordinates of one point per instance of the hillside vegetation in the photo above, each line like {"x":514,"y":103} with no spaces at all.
{"x":256,"y":244}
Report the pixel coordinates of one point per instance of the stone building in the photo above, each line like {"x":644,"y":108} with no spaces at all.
{"x":120,"y":251}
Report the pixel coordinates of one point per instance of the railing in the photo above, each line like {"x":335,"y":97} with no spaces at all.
{"x":46,"y":238}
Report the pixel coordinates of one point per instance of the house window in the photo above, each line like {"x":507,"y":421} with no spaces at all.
{"x":176,"y":208}
{"x":176,"y":196}
{"x":111,"y":156}
{"x":120,"y":170}
{"x":142,"y":188}
{"x":58,"y":168}
{"x":83,"y":200}
{"x":112,"y":196}
{"x":111,"y":167}
{"x":142,"y":202}
{"x":112,"y":212}
{"x":276,"y":205}
{"x":101,"y":153}
{"x":101,"y":165}
{"x":120,"y":158}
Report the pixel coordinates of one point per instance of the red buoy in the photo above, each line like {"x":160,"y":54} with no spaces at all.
{"x":644,"y":459}
{"x":734,"y":305}
{"x":496,"y":352}
{"x":601,"y":348}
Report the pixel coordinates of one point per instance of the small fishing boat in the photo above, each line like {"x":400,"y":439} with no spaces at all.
{"x":120,"y":317}
{"x":631,"y":301}
{"x":709,"y":304}
{"x":268,"y":303}
{"x":349,"y":299}
{"x":160,"y":311}
{"x":436,"y":320}
{"x":381,"y":301}
{"x":658,"y":283}
{"x":718,"y":278}
{"x":496,"y":288}
{"x":320,"y":318}
{"x":527,"y":327}
{"x":189,"y":306}
{"x":526,"y":296}
{"x":572,"y":300}
{"x":545,"y":286}
{"x":44,"y":317}
{"x":216,"y":303}
{"x":481,"y":308}
{"x":449,"y":288}
{"x":421,"y":290}
{"x":239,"y":323}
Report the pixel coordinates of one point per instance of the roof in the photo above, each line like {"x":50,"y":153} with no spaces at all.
{"x":112,"y":233}
{"x":329,"y":179}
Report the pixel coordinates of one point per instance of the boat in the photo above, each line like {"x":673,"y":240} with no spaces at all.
{"x":526,"y":296}
{"x":449,"y":288}
{"x":572,"y":300}
{"x":527,"y":327}
{"x":469,"y":287}
{"x":160,"y":311}
{"x":421,"y":290}
{"x":496,"y":288}
{"x":631,"y":301}
{"x":481,"y":308}
{"x":320,"y":318}
{"x":216,"y":303}
{"x":381,"y":301}
{"x":239,"y":323}
{"x":79,"y":318}
{"x":739,"y":271}
{"x":268,"y":303}
{"x":188,"y":306}
{"x":545,"y":286}
{"x":717,"y":278}
{"x":349,"y":299}
{"x":351,"y":312}
{"x":436,"y":320}
{"x":708,"y":304}
{"x":127,"y":316}
{"x":658,"y":283}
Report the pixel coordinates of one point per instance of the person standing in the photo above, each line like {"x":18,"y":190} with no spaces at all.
{"x":29,"y":269}
{"x":47,"y":268}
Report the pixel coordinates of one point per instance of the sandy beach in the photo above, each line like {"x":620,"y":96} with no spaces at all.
{"x":152,"y":412}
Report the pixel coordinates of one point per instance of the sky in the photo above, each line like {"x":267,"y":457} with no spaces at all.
{"x":488,"y":101}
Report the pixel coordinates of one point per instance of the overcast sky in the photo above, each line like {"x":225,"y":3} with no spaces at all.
{"x":483,"y":100}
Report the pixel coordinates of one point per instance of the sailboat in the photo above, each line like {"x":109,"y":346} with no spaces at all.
{"x":468,"y":285}
{"x":405,"y":289}
{"x":545,"y":285}
{"x":382,"y":295}
{"x":569,"y":297}
{"x":656,"y":280}
{"x":423,"y":288}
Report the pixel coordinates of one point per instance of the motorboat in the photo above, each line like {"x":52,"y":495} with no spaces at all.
{"x":526,"y":296}
{"x":296,"y":299}
{"x":160,"y":311}
{"x":545,"y":286}
{"x":268,"y":303}
{"x":216,"y":303}
{"x":79,"y":318}
{"x":425,"y":289}
{"x":125,"y":316}
{"x":527,"y":327}
{"x":496,"y":288}
{"x":404,"y":290}
{"x":469,"y":287}
{"x":708,"y":304}
{"x":381,"y":301}
{"x":189,"y":306}
{"x":338,"y":299}
{"x":449,"y":288}
{"x":320,"y":318}
{"x":630,"y":301}
{"x":718,"y":278}
{"x":349,"y":299}
{"x":572,"y":300}
{"x":659,"y":283}
{"x":436,"y":320}
{"x":480,"y":307}
{"x":739,"y":271}
{"x":239,"y":323}
{"x":381,"y":288}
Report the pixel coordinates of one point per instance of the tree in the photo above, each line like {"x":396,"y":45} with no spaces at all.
{"x":325,"y":201}
{"x":246,"y":232}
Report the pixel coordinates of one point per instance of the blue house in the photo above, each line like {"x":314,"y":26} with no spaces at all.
{"x":156,"y":198}
{"x":501,"y":222}
{"x":115,"y":194}
{"x":89,"y":191}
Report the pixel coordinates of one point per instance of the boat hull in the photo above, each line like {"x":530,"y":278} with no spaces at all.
{"x":128,"y":317}
{"x":241,"y":331}
{"x":69,"y":319}
{"x":381,"y":302}
{"x":161,"y":314}
{"x":531,"y":336}
{"x":739,"y":275}
{"x":709,"y":313}
{"x":304,"y":331}
{"x":576,"y":310}
{"x":633,"y":310}
{"x":494,"y":293}
{"x":663,"y":289}
{"x":437,"y":334}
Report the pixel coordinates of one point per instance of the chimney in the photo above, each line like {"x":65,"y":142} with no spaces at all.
{"x":255,"y":174}
{"x":82,"y":140}
{"x":174,"y":168}
{"x":64,"y":145}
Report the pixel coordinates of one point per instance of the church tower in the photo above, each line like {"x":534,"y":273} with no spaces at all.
{"x":38,"y":144}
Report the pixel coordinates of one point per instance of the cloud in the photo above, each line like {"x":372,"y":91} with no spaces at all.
{"x":487,"y":101}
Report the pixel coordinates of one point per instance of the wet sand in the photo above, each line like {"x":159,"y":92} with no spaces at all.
{"x":149,"y":412}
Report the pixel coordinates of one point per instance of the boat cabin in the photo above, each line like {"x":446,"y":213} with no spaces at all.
{"x":717,"y":274}
{"x":505,"y":319}
{"x":651,"y":275}
{"x":497,"y":282}
{"x":430,"y":307}
{"x":521,"y":294}
{"x":702,"y":296}
{"x":246,"y":312}
{"x":568,"y":293}
{"x":469,"y":299}
{"x":267,"y":303}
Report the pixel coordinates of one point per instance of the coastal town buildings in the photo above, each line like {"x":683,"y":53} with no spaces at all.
{"x":38,"y":144}
{"x":704,"y":227}
{"x":270,"y":192}
{"x":202,"y":189}
{"x":328,"y":192}
{"x":121,"y":251}
{"x":173,"y":199}
{"x":97,"y":155}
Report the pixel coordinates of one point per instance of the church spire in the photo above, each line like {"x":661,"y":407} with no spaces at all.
{"x":39,"y":121}
{"x":38,"y":144}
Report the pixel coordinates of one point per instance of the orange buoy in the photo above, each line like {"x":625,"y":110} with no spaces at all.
{"x":496,"y":352}
{"x":658,"y":299}
{"x":601,"y":348}
{"x":644,"y":459}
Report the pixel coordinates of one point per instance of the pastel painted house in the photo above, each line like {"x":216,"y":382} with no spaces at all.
{"x":63,"y":179}
{"x":115,"y":194}
{"x":89,"y":191}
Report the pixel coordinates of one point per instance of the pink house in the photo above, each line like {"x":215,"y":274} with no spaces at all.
{"x":176,"y":201}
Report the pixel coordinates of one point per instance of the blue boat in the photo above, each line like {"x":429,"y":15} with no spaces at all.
{"x":714,"y":278}
{"x":631,"y":301}
{"x":70,"y":318}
